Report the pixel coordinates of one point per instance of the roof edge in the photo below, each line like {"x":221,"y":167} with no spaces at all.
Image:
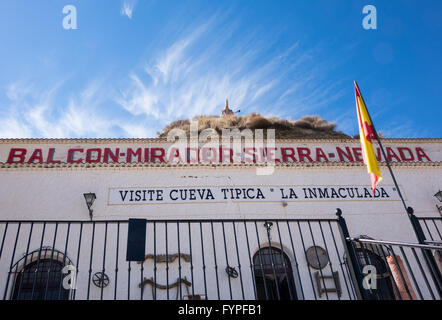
{"x":123,"y":165}
{"x":163,"y":140}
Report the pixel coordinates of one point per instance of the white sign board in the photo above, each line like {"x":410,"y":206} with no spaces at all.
{"x":218,"y":194}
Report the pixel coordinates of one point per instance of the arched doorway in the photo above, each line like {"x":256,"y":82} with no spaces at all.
{"x":273,"y":275}
{"x":41,"y":278}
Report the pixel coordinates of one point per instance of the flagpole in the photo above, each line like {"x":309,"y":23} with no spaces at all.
{"x":383,"y":153}
{"x":410,"y":212}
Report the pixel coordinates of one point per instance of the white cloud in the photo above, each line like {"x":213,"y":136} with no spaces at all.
{"x":403,"y":128}
{"x":195,"y":73}
{"x":143,"y":102}
{"x":138,"y":131}
{"x":15,"y":91}
{"x":264,"y":89}
{"x":191,"y":75}
{"x":12,"y":127}
{"x":34,"y":114}
{"x":127,"y":8}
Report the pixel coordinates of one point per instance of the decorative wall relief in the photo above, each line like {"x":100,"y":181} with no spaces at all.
{"x":317,"y":257}
{"x":100,"y":280}
{"x":170,"y":258}
{"x":320,"y":280}
{"x":179,"y":282}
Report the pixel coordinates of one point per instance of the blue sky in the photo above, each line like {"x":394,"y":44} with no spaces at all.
{"x":132,"y":66}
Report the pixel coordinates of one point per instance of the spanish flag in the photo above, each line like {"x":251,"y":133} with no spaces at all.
{"x":367,"y":134}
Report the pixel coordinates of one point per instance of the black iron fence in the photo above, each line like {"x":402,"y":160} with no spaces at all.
{"x":208,"y":259}
{"x":392,"y":270}
{"x":432,"y":228}
{"x":185,"y":259}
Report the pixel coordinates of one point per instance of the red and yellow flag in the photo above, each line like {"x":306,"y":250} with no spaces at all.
{"x":367,"y":134}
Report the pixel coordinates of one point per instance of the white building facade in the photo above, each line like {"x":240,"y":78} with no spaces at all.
{"x":263,"y":227}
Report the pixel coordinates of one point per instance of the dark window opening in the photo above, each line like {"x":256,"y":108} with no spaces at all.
{"x":40,"y":280}
{"x":273,"y":273}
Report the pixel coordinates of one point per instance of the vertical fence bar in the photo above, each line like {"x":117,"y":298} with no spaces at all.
{"x":167,"y":263}
{"x":296,"y":261}
{"x":142,"y":277}
{"x":214,"y":257}
{"x":261,"y":263}
{"x":317,"y":257}
{"x":282,"y":257}
{"x":204,"y":261}
{"x":251,"y":263}
{"x":154,"y":260}
{"x":103,"y":270}
{"x":377,"y":250}
{"x":272,"y":262}
{"x":239,"y":262}
{"x":116,"y":260}
{"x":352,"y":258}
{"x":38,"y":258}
{"x":428,"y":229}
{"x":179,"y":260}
{"x":26,"y":260}
{"x":64,"y":258}
{"x":129,"y":269}
{"x":52,"y":259}
{"x":328,"y":257}
{"x":78,"y":257}
{"x":90,"y":260}
{"x":12,"y":261}
{"x":340,"y":262}
{"x":3,"y":238}
{"x":191,"y":260}
{"x":437,"y":229}
{"x":227,"y":259}
{"x":308,"y":265}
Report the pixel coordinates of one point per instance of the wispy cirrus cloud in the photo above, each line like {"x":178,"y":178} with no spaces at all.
{"x":127,"y":8}
{"x":191,"y":74}
{"x":33,"y":112}
{"x":195,"y":73}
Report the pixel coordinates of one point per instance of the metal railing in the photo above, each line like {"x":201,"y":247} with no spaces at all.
{"x":185,"y":259}
{"x":313,"y":259}
{"x":392,"y":270}
{"x":432,"y":227}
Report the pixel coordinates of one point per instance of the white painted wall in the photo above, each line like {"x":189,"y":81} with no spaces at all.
{"x":57,"y":194}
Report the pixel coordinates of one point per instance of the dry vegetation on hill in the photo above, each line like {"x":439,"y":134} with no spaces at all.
{"x":306,"y":127}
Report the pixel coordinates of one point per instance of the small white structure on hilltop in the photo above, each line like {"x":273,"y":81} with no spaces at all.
{"x":211,"y":226}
